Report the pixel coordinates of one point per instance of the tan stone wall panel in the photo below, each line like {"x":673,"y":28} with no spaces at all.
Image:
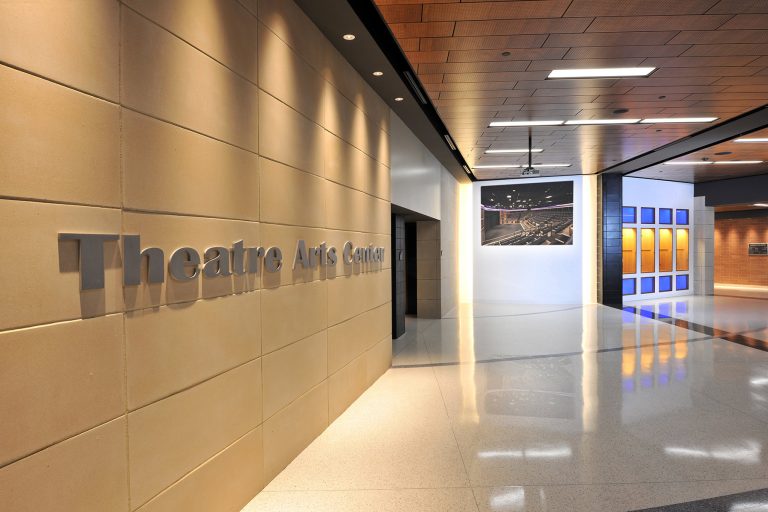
{"x":290,"y":313}
{"x":291,"y":430}
{"x":353,"y":337}
{"x":165,"y":77}
{"x":223,"y":29}
{"x":378,"y":359}
{"x":287,"y":136}
{"x":73,"y":42}
{"x":286,"y":237}
{"x":291,"y":25}
{"x":291,"y":371}
{"x":351,"y":210}
{"x":169,"y":169}
{"x":290,"y":196}
{"x":57,"y":381}
{"x":351,"y":295}
{"x":346,"y":385}
{"x":86,"y":472}
{"x":173,"y":436}
{"x":288,"y":77}
{"x":225,"y":482}
{"x":174,"y":347}
{"x":42,"y":156}
{"x":41,"y":279}
{"x":347,"y":165}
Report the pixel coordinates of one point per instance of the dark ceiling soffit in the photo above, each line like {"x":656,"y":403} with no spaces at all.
{"x":747,"y":189}
{"x":375,"y":48}
{"x":410,"y":215}
{"x":741,"y":125}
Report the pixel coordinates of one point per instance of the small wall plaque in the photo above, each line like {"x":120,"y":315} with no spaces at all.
{"x":758,"y":249}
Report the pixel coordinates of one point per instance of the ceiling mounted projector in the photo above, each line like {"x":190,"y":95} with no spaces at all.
{"x":530,"y":171}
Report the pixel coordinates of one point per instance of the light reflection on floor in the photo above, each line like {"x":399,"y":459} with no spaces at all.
{"x":545,"y":408}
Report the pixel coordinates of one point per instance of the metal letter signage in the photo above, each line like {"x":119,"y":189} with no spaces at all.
{"x":185,"y":263}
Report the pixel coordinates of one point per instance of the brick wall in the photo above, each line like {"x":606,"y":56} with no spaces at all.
{"x":732,"y":263}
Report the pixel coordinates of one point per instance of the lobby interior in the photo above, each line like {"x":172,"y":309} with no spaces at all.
{"x":386,"y":255}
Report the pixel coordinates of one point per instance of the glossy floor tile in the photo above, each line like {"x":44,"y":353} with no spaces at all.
{"x":544,"y":408}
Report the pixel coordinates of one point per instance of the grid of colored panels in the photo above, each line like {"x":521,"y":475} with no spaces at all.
{"x":662,"y":217}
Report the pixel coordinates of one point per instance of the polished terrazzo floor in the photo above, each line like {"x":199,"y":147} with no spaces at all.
{"x":511,"y":408}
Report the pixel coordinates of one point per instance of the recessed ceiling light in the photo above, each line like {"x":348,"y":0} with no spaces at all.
{"x":726,"y":162}
{"x":601,"y":72}
{"x":754,"y":139}
{"x":721,"y":153}
{"x":534,"y":150}
{"x":496,"y":166}
{"x":691,"y":162}
{"x":603,"y":121}
{"x":348,"y":37}
{"x":378,"y":73}
{"x":399,"y":98}
{"x":526,"y":123}
{"x":762,"y":205}
{"x":551,"y":165}
{"x":679,"y":120}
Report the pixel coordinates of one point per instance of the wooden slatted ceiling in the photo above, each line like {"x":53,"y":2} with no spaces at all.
{"x":711,"y":55}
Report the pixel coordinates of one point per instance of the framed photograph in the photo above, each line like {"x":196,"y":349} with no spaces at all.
{"x":527,"y":214}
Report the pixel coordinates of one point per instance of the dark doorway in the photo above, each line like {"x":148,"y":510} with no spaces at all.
{"x":398,"y":276}
{"x":410,"y":268}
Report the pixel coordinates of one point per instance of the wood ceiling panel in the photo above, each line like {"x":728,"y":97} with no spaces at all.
{"x":513,"y":27}
{"x":757,"y":97}
{"x":469,"y":102}
{"x":442,"y":29}
{"x":721,"y":71}
{"x":569,"y":84}
{"x":720,"y":37}
{"x":620,"y":52}
{"x":609,"y":39}
{"x":694,"y":62}
{"x":474,"y":67}
{"x":424,"y":57}
{"x":742,"y":81}
{"x":595,"y":91}
{"x":658,"y":23}
{"x":746,"y":88}
{"x":483,"y":42}
{"x":496,"y":77}
{"x":727,"y":50}
{"x":747,"y":22}
{"x":682,"y":89}
{"x":495,"y":10}
{"x":514,"y":54}
{"x":401,"y":13}
{"x":639,"y":97}
{"x":409,"y":44}
{"x":502,"y":93}
{"x":549,"y":65}
{"x":643,"y":8}
{"x":740,"y":6}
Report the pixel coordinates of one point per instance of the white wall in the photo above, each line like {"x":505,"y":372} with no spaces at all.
{"x":640,"y":192}
{"x":416,"y":173}
{"x":537,"y":274}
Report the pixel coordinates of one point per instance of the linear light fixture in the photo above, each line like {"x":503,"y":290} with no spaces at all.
{"x":534,"y":150}
{"x":601,"y":72}
{"x":692,"y":162}
{"x":761,"y":205}
{"x":679,"y":120}
{"x":603,"y":121}
{"x":526,"y":123}
{"x":449,"y":140}
{"x":727,"y":162}
{"x":754,"y":139}
{"x":513,"y":166}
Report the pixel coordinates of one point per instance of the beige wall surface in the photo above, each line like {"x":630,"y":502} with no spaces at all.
{"x":192,"y":123}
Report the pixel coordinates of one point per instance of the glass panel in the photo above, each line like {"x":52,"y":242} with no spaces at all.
{"x":629,"y":250}
{"x":665,"y":283}
{"x":629,"y":214}
{"x":647,"y":284}
{"x":628,"y":287}
{"x":665,"y":250}
{"x":682,"y":217}
{"x":647,"y":250}
{"x":681,"y":282}
{"x":647,"y":215}
{"x":682,"y":249}
{"x":665,"y":215}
